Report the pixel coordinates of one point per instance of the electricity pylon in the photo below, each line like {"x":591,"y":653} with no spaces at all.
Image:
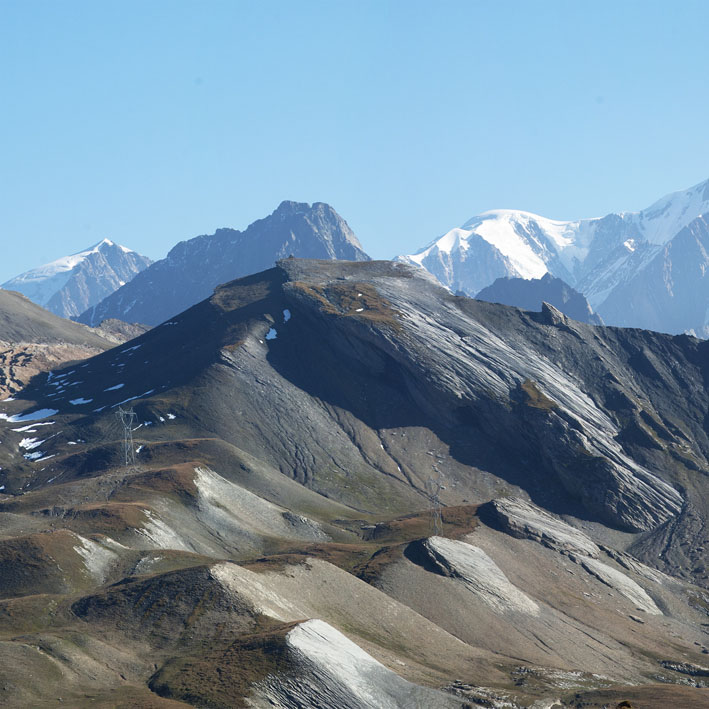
{"x":127,"y":417}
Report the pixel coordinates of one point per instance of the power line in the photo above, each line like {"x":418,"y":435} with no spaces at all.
{"x":434,"y":485}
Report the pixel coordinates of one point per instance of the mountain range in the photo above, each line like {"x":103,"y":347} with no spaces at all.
{"x":192,"y":269}
{"x":641,"y":269}
{"x":70,"y":285}
{"x":353,"y":488}
{"x":636,"y":269}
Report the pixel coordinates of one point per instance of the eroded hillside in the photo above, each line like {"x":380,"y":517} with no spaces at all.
{"x":276,"y":540}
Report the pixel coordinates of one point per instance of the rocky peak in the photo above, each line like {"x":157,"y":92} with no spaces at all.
{"x":69,"y":285}
{"x":552,"y":315}
{"x":193,"y":268}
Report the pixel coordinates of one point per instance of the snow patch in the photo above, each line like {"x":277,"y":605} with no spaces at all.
{"x":32,"y":416}
{"x":77,"y":402}
{"x":133,"y":398}
{"x":31,"y":443}
{"x":41,"y":283}
{"x":30,"y":427}
{"x":271,"y":334}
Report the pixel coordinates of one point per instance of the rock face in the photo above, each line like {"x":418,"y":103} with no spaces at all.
{"x":525,"y":520}
{"x":331,"y":671}
{"x":458,"y":360}
{"x":119,"y":331}
{"x":193,"y":268}
{"x":33,"y":340}
{"x":638,"y":269}
{"x":529,"y":294}
{"x":71,"y":284}
{"x":480,"y":575}
{"x":622,"y":583}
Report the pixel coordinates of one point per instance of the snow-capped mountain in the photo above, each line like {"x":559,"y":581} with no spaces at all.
{"x":595,"y":256}
{"x":672,"y":288}
{"x":193,"y":268}
{"x":71,"y":284}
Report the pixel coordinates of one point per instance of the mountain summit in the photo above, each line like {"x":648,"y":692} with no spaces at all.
{"x":598,"y":257}
{"x":71,"y":284}
{"x":193,"y":268}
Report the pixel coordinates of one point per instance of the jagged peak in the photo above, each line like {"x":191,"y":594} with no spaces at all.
{"x":103,"y":245}
{"x":292,"y":207}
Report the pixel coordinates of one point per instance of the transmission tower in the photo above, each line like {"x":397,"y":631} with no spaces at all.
{"x":127,"y":418}
{"x":434,"y":485}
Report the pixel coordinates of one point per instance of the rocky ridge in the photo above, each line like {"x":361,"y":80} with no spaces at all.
{"x":529,"y":294}
{"x":33,"y":340}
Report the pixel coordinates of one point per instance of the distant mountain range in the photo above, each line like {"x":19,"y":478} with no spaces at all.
{"x":71,"y":284}
{"x":531,"y":293}
{"x":635,"y":269}
{"x":192,"y":269}
{"x":640,"y":269}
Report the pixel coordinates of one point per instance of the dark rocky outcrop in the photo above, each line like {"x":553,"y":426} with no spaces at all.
{"x":529,"y":294}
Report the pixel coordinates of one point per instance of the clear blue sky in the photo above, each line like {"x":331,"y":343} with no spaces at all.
{"x":154,"y":121}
